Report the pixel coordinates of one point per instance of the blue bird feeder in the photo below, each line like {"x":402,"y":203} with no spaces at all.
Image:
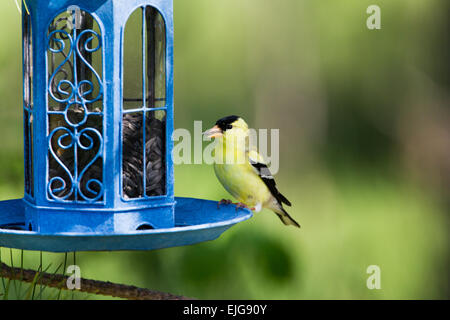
{"x":98,"y":121}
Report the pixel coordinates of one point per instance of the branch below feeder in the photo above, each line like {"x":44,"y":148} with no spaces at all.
{"x":59,"y":281}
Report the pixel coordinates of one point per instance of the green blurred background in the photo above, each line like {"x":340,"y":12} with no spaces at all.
{"x":364,"y":153}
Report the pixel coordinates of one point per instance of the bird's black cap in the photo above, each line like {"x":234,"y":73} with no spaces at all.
{"x":225,"y":122}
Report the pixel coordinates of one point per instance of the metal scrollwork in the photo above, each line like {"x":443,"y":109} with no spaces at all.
{"x":75,"y":140}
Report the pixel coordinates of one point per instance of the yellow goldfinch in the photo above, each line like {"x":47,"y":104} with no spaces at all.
{"x":243,"y":172}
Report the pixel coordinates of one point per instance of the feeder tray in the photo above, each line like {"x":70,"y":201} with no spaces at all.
{"x":195,"y":221}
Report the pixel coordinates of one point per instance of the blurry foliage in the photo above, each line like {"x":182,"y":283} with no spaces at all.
{"x":364,"y":143}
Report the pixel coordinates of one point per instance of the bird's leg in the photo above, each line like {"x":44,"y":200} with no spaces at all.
{"x":223,"y":201}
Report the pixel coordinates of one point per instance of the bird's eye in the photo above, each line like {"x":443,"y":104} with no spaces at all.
{"x":229,"y":126}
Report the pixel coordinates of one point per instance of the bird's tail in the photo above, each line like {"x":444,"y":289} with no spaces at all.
{"x":286,"y":218}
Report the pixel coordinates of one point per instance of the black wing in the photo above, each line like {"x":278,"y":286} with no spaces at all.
{"x":266,"y":176}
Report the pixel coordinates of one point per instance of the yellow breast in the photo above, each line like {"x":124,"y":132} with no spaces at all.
{"x":240,"y":179}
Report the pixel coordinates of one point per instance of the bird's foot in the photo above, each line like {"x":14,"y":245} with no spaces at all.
{"x":237,"y":204}
{"x":223,"y":201}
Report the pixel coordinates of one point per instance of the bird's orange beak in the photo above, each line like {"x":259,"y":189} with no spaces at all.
{"x":214,"y":132}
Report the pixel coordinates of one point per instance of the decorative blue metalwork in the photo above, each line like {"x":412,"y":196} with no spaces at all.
{"x":74,"y":94}
{"x":78,"y":117}
{"x":75,"y":142}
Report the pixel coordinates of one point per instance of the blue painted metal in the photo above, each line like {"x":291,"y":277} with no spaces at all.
{"x":76,"y":96}
{"x":46,"y":209}
{"x":195,"y":220}
{"x":77,"y":214}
